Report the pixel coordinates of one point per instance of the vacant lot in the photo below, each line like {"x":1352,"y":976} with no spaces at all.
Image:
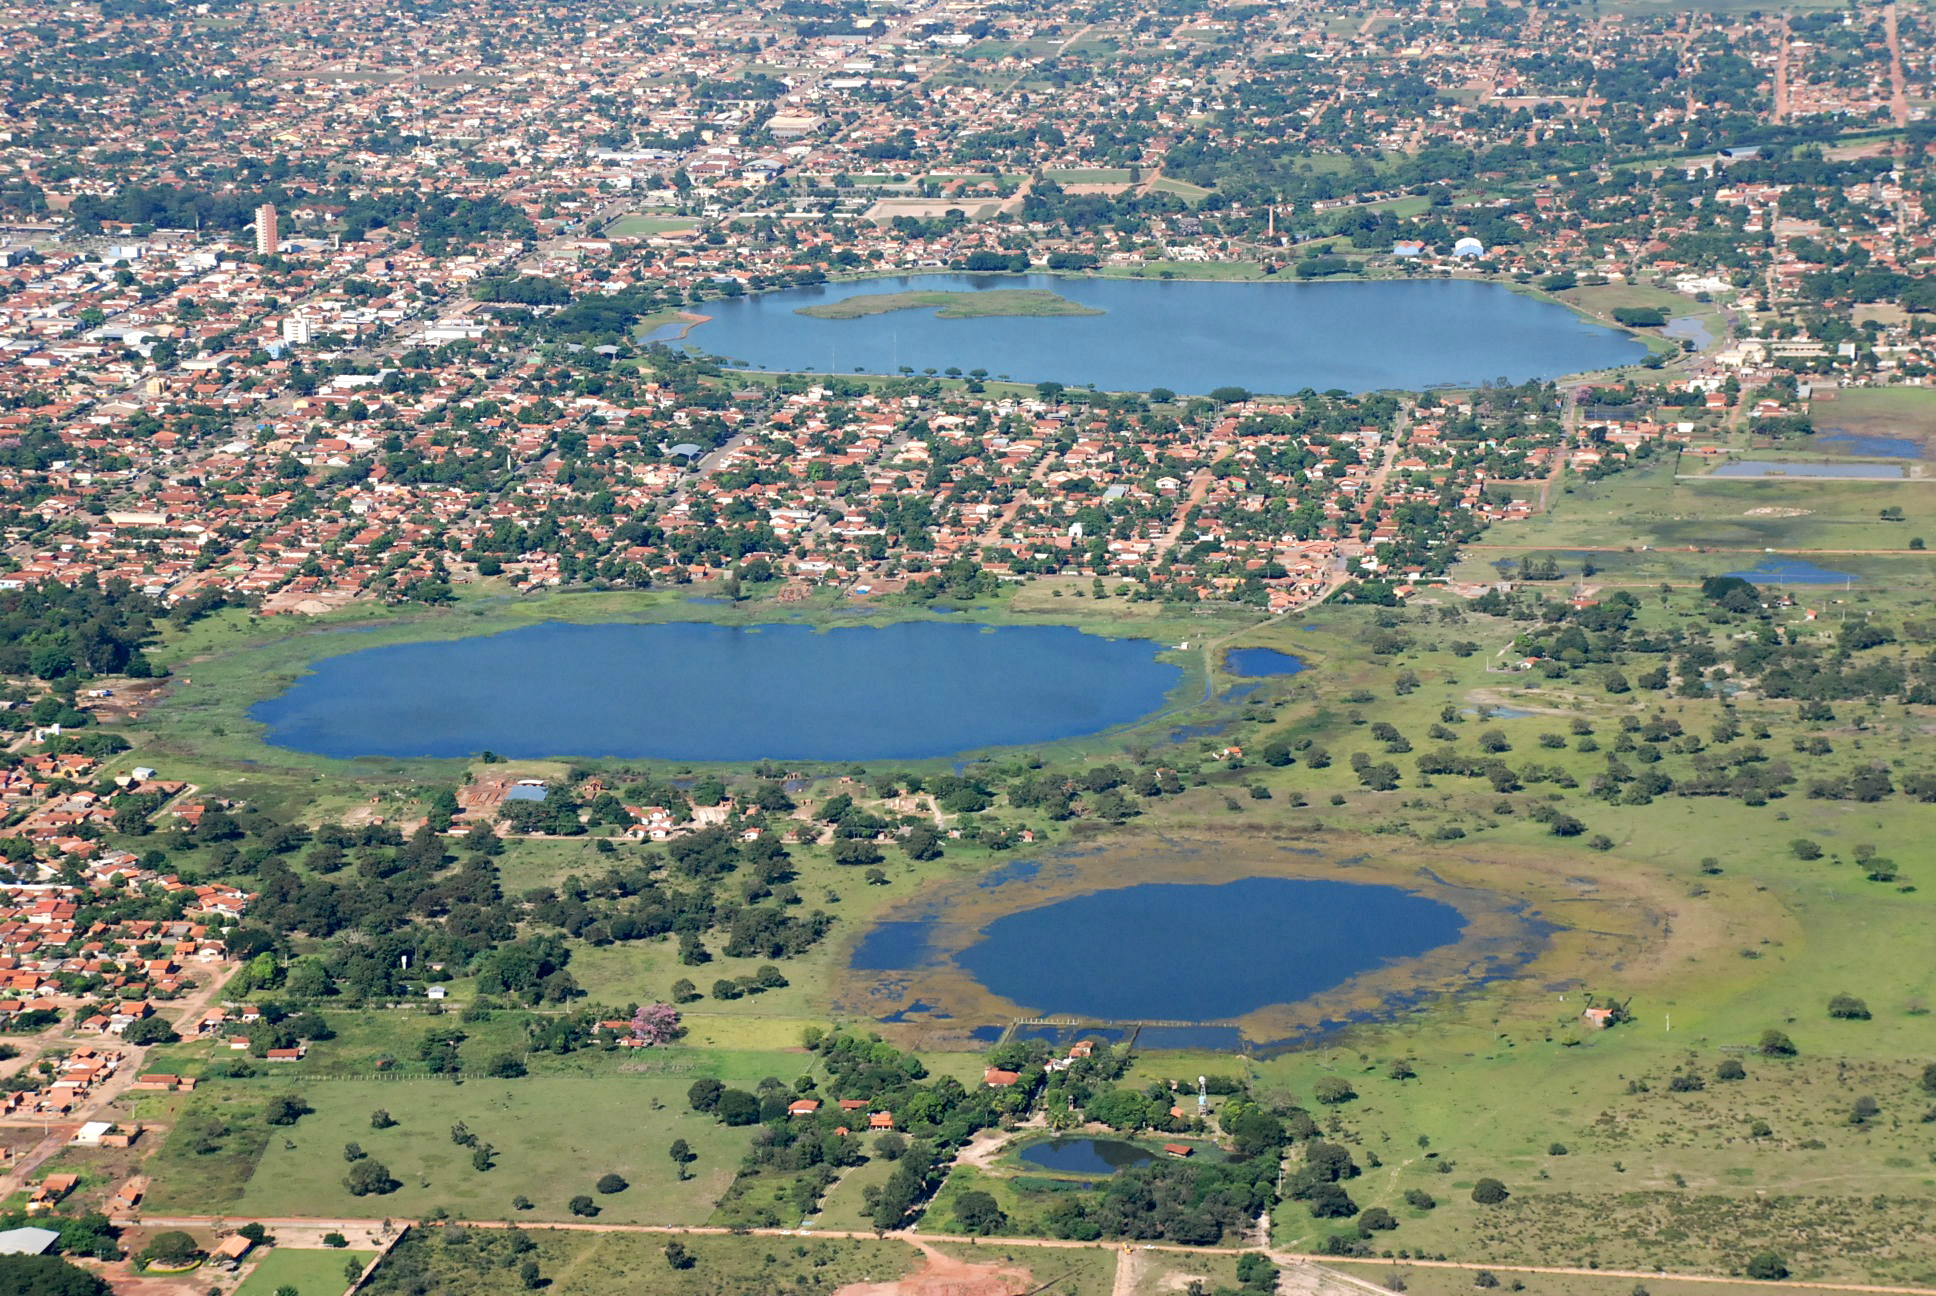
{"x":309,"y":1273}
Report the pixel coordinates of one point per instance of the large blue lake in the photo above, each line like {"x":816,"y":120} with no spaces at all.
{"x":1189,"y":336}
{"x":1191,"y":952}
{"x":704,"y":692}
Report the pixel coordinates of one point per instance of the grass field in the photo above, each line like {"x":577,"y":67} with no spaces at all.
{"x":310,"y":1273}
{"x":554,"y":1136}
{"x":645,"y":226}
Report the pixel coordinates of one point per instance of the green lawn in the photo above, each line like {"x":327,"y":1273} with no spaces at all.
{"x":311,"y":1273}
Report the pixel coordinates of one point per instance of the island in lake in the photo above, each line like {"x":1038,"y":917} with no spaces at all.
{"x":953,"y":304}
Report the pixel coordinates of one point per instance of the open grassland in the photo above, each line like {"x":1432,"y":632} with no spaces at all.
{"x":553,"y":1136}
{"x":307,"y":1273}
{"x":1879,"y":411}
{"x":481,"y":1262}
{"x":1714,"y":525}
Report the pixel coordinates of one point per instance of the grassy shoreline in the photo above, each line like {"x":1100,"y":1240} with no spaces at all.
{"x":949,"y":304}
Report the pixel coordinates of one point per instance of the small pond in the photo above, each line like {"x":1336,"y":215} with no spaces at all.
{"x":1791,"y":571}
{"x":701,"y":692}
{"x":1086,"y":1156}
{"x":1762,"y":468}
{"x":1882,"y":447}
{"x":1188,"y":952}
{"x":1257,"y":662}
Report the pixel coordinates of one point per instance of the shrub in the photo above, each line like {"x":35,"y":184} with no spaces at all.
{"x":611,"y":1183}
{"x":1377,"y":1218}
{"x":1848,"y":1008}
{"x":1766,"y":1266}
{"x":1489,"y":1192}
{"x":1333,"y":1090}
{"x":1730,"y":1069}
{"x":1419,"y":1199}
{"x":1774,"y":1043}
{"x":582,"y":1205}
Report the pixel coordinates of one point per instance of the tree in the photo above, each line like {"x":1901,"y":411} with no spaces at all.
{"x":1330,"y":1201}
{"x":505,"y":1066}
{"x":335,"y":1240}
{"x":611,"y":1183}
{"x":1848,"y":1008}
{"x":370,"y":1178}
{"x":678,"y":1257}
{"x":1377,"y":1218}
{"x":1775,"y":1043}
{"x":978,"y":1212}
{"x":286,"y":1109}
{"x":172,"y":1249}
{"x":353,"y":1152}
{"x":682,"y":1156}
{"x":582,"y":1205}
{"x":381,"y":1119}
{"x":1489,"y":1192}
{"x":1766,"y":1266}
{"x":656,"y":1023}
{"x":150,"y":1030}
{"x":530,"y":1275}
{"x":704,"y":1094}
{"x":48,"y":1275}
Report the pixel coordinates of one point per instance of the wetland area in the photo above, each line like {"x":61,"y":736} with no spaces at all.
{"x":1207,"y":940}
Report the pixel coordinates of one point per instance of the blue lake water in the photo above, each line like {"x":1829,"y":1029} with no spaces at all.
{"x":701,"y":692}
{"x":1256,"y":662}
{"x":1880,"y":446}
{"x":1189,"y":952}
{"x":1785,"y":468}
{"x":1791,"y":571}
{"x":1185,"y":335}
{"x":1086,"y":1156}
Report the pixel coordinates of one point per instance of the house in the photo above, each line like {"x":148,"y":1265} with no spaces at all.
{"x":286,"y":1054}
{"x":435,"y":992}
{"x":1598,"y":1018}
{"x":229,"y":1251}
{"x":1179,"y":1150}
{"x":996,"y":1078}
{"x":881,"y":1121}
{"x":128,"y":1195}
{"x":50,"y":1190}
{"x":803,"y":1107}
{"x":156,"y":1080}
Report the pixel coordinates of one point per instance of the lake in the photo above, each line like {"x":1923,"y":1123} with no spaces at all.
{"x":1086,"y":1156}
{"x":1189,"y":336}
{"x":1190,"y":952}
{"x":702,"y":692}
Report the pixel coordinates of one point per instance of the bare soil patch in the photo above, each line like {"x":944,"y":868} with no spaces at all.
{"x":941,"y":1275}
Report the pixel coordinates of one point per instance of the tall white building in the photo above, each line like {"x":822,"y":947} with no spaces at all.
{"x":298,"y":329}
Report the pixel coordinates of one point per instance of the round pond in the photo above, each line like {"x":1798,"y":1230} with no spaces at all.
{"x":1166,"y":951}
